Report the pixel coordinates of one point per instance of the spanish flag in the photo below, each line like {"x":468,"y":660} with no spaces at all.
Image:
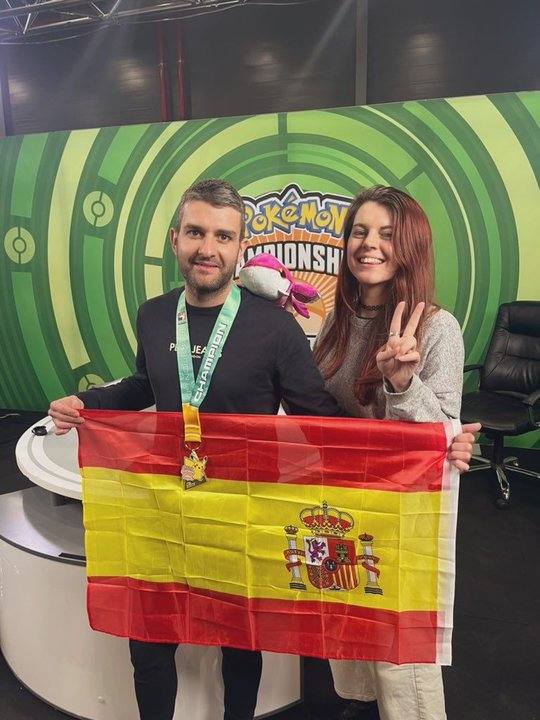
{"x":328,"y":537}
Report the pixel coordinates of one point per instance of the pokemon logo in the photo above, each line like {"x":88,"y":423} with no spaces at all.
{"x":294,"y":209}
{"x":304,"y":231}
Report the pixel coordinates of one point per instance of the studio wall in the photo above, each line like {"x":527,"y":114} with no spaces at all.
{"x":84,"y":218}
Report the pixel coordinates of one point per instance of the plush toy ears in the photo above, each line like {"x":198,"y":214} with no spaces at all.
{"x":304,"y":292}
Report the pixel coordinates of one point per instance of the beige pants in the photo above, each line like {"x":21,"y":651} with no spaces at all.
{"x":403,"y":692}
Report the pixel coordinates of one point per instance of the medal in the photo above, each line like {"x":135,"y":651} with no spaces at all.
{"x":193,"y":391}
{"x":193,"y":470}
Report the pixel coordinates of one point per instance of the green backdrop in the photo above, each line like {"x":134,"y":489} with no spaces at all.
{"x":84,"y":217}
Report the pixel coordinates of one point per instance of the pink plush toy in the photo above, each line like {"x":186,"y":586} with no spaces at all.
{"x":264,"y":275}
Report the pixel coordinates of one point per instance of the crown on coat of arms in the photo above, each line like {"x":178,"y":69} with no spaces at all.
{"x":326,"y":521}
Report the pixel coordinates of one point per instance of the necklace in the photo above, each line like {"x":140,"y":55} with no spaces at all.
{"x":371,"y":307}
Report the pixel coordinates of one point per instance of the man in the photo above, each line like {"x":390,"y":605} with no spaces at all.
{"x":265,"y":360}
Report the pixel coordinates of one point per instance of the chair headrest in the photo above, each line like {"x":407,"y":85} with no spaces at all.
{"x":513,"y":359}
{"x":521,"y":317}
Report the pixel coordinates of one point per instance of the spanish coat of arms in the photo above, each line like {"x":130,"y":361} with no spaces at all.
{"x":331,"y":558}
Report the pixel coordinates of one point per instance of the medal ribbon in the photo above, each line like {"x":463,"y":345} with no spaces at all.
{"x":193,"y":390}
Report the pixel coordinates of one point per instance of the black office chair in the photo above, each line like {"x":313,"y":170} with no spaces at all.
{"x":506,"y":402}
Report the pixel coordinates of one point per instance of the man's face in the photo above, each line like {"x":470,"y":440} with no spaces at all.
{"x":207,"y":246}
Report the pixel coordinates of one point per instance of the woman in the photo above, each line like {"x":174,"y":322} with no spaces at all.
{"x":388,"y":351}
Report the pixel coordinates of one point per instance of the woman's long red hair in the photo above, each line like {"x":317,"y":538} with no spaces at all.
{"x":413,"y":283}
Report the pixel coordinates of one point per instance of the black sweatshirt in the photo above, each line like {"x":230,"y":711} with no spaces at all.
{"x":266,"y":360}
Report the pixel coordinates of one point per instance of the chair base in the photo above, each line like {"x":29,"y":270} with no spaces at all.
{"x":508,"y":464}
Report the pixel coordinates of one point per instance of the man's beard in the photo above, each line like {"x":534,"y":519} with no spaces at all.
{"x":209,"y":287}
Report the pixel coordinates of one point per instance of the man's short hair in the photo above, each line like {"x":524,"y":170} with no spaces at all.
{"x":218,"y":193}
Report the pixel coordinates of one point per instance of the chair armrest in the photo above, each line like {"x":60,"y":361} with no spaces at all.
{"x":530,"y":401}
{"x":468,"y":368}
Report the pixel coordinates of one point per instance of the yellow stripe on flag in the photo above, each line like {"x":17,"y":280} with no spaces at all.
{"x":228,"y":536}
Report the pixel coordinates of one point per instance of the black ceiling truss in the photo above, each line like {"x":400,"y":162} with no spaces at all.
{"x":38,"y":21}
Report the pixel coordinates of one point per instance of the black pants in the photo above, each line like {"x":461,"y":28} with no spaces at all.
{"x":156,"y":680}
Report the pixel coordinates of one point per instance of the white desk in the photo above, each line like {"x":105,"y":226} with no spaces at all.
{"x":44,"y":631}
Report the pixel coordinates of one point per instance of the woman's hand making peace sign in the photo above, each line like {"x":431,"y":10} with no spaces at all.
{"x":398,"y":358}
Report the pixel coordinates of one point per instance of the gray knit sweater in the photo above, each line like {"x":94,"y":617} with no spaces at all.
{"x":435,"y":390}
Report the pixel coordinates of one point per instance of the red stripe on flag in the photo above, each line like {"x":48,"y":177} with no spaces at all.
{"x":159,"y":611}
{"x":275,"y":449}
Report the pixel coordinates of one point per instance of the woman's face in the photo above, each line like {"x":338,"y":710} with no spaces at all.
{"x":370,"y":253}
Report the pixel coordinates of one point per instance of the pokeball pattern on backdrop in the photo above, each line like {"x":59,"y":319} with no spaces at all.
{"x":88,"y":381}
{"x":98,"y":208}
{"x":19,"y":245}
